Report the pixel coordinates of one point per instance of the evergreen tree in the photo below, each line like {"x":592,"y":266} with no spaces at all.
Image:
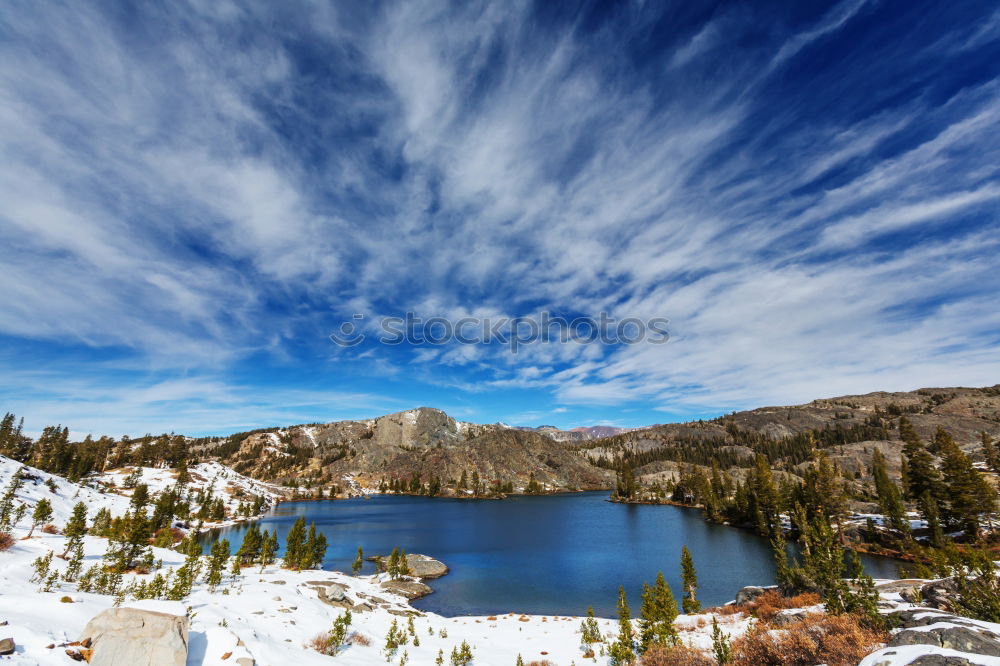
{"x":392,"y":568}
{"x":359,"y":562}
{"x":764,"y":498}
{"x":589,"y":629}
{"x":659,"y":610}
{"x":249,"y":550}
{"x":889,"y":499}
{"x":76,"y":527}
{"x":689,"y":579}
{"x":929,"y":507}
{"x":295,"y":544}
{"x":622,"y":651}
{"x":921,"y":474}
{"x":41,"y":514}
{"x":9,"y":495}
{"x":268,"y":548}
{"x":722,"y":648}
{"x":968,"y":493}
{"x":990,"y":452}
{"x":217,"y":563}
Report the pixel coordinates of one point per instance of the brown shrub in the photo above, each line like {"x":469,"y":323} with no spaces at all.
{"x":354,"y":638}
{"x":836,"y":640}
{"x":6,"y":541}
{"x":678,"y":655}
{"x":767,"y":605}
{"x":49,"y":528}
{"x":321,"y":643}
{"x":544,"y":662}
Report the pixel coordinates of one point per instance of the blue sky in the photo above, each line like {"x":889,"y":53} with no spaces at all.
{"x":196,"y":193}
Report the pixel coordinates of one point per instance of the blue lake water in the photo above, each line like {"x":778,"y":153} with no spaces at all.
{"x":554,"y":554}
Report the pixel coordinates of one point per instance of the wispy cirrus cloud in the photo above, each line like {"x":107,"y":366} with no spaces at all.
{"x":204,"y":190}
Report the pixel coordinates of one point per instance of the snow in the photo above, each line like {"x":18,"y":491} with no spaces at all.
{"x":271,"y":615}
{"x":224,"y":482}
{"x":65,"y":496}
{"x":898,"y":656}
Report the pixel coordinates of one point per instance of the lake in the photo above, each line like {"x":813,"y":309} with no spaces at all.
{"x":552,"y":555}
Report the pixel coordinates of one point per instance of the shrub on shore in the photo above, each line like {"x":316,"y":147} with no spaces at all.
{"x":835,"y":640}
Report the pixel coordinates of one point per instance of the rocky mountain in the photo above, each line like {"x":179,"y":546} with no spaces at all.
{"x":422,"y":442}
{"x":582,"y":434}
{"x":849,"y":427}
{"x":428,"y":443}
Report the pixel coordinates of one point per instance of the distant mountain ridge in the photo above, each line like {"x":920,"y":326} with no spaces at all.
{"x":427,"y":443}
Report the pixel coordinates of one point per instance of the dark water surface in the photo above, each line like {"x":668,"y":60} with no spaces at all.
{"x":554,"y":554}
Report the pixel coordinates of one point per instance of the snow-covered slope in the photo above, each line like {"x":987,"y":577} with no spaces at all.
{"x":223,"y":481}
{"x":66,"y":494}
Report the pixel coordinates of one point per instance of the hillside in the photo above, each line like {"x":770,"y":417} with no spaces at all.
{"x":849,"y":427}
{"x":357,"y":456}
{"x":424,"y":442}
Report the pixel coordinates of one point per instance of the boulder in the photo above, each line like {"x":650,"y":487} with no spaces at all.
{"x":7,"y":646}
{"x":961,"y":639}
{"x":328,"y":590}
{"x":421,"y":566}
{"x":891,"y":658}
{"x":748,"y":594}
{"x":410,"y":589}
{"x":942,"y":594}
{"x":137,"y":637}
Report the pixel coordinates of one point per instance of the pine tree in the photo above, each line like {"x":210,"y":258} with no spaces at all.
{"x":589,"y":629}
{"x":722,"y":648}
{"x":359,"y":562}
{"x":268,"y":548}
{"x":41,"y":514}
{"x":249,"y":550}
{"x":76,"y":527}
{"x":392,"y":568}
{"x":622,"y":651}
{"x":921,"y":474}
{"x":689,"y":580}
{"x":7,"y":500}
{"x":967,"y":490}
{"x":929,"y":508}
{"x":295,"y":543}
{"x":889,"y":498}
{"x":216,"y":563}
{"x":764,"y":498}
{"x":990,"y":453}
{"x":659,"y":610}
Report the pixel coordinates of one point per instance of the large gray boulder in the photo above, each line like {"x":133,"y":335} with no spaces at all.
{"x":421,"y":566}
{"x":748,"y":594}
{"x":137,"y":637}
{"x":961,"y":639}
{"x":410,"y":589}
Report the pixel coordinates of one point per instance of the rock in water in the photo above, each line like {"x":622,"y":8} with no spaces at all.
{"x":7,"y":645}
{"x":421,"y":566}
{"x":135,"y":637}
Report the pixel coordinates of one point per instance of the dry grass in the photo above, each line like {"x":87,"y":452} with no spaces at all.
{"x":321,"y":643}
{"x":6,"y":541}
{"x":678,"y":655}
{"x":767,"y":605}
{"x":49,"y":528}
{"x":835,"y":640}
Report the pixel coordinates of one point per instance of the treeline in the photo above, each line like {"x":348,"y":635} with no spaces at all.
{"x":53,"y":451}
{"x":467,"y":484}
{"x":725,"y":451}
{"x":939,"y":481}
